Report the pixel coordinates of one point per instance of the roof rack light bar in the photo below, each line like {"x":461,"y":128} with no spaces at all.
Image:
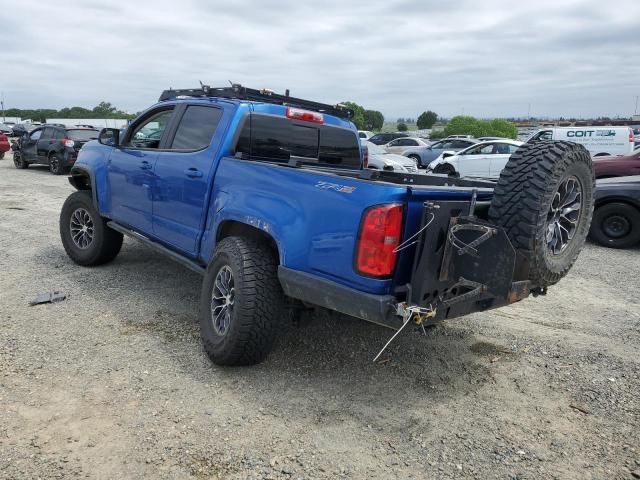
{"x":237,"y":91}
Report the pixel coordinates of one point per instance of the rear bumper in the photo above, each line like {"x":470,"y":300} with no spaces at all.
{"x":315,"y":290}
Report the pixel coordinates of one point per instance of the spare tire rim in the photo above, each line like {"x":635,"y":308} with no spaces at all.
{"x":222,"y":299}
{"x":81,"y":225}
{"x":564,"y":215}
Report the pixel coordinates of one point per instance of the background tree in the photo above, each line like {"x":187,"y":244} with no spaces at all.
{"x":427,"y":119}
{"x":402,"y":127}
{"x":466,"y":125}
{"x":373,"y":120}
{"x":358,"y":114}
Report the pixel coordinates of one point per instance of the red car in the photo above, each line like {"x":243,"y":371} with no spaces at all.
{"x":4,"y":145}
{"x":621,"y":166}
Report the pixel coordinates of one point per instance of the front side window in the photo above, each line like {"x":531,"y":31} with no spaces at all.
{"x":196,"y":128}
{"x":149,"y":133}
{"x":36,"y":135}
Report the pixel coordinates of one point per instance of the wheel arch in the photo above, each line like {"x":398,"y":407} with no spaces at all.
{"x":81,"y":179}
{"x":600,"y":202}
{"x":231,"y":228}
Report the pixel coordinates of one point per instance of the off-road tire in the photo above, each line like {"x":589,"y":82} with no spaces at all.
{"x":625,"y":213}
{"x":18,"y":161}
{"x":105,"y":244}
{"x":522,"y":201}
{"x":258,"y":305}
{"x":56,"y":164}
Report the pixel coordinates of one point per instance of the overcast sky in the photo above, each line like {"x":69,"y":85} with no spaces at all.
{"x":485,"y":58}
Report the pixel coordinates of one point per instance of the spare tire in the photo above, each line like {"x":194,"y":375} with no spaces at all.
{"x":544,"y":202}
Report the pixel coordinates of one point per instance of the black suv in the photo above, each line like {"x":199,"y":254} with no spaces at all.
{"x":384,"y":138}
{"x":52,"y":145}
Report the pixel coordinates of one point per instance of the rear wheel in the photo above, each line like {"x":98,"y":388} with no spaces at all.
{"x":242,"y":303}
{"x":1,"y":155}
{"x":416,"y":158}
{"x":616,"y":225}
{"x":85,"y":235}
{"x":56,"y":164}
{"x":18,"y":160}
{"x":544,"y":201}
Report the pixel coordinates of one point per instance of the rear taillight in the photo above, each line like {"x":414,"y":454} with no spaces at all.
{"x":67,"y":142}
{"x":304,"y":115}
{"x":631,"y":136}
{"x":365,"y":161}
{"x":379,"y":236}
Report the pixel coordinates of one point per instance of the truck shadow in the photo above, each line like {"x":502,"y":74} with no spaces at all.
{"x":327,"y":360}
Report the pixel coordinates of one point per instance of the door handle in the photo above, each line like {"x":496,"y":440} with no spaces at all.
{"x":193,"y":173}
{"x":145,"y":165}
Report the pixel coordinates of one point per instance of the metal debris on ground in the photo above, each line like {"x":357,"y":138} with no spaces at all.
{"x":50,"y":297}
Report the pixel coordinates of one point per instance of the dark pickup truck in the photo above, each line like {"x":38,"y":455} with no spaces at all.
{"x":269,"y":198}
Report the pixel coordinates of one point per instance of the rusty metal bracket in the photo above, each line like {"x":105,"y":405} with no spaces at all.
{"x":477,"y":289}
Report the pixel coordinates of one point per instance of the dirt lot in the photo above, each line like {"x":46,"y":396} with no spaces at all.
{"x":113,"y":382}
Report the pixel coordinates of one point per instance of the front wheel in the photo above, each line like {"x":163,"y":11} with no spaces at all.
{"x":445,"y":169}
{"x":241,"y":304}
{"x":85,"y":235}
{"x":18,"y":161}
{"x":616,"y":225}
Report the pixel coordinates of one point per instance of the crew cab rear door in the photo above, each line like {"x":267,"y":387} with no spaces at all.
{"x":183,"y":172}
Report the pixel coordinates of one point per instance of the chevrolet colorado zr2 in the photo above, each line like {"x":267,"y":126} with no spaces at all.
{"x":269,"y":198}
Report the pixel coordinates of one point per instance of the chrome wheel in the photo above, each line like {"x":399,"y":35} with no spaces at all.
{"x":564,"y":214}
{"x":222,"y":298}
{"x":81,"y":225}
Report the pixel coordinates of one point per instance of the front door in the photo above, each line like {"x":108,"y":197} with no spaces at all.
{"x":476,"y":161}
{"x":182,"y":174}
{"x":29,"y":145}
{"x":130,"y":172}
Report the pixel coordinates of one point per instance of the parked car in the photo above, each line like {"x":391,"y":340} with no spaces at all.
{"x":265,"y":196}
{"x":460,"y":136}
{"x":488,"y":139}
{"x":600,"y":141}
{"x":616,"y":219}
{"x":425,"y":155}
{"x":485,"y":160}
{"x":379,"y":158}
{"x":620,"y":166}
{"x":6,"y":128}
{"x":365,"y":134}
{"x":399,"y":145}
{"x":4,"y":145}
{"x":384,"y":138}
{"x":54,"y":146}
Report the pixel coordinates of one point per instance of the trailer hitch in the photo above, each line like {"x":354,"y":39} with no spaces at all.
{"x":409,"y":312}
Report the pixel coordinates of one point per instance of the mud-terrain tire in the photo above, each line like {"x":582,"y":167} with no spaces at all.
{"x":616,"y":225}
{"x":18,"y":161}
{"x":544,"y":201}
{"x":242,"y":303}
{"x":95,"y":243}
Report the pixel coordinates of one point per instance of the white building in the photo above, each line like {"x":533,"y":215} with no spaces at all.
{"x":94,"y":122}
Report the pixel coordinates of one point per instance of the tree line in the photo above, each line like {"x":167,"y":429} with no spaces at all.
{"x":102,"y":110}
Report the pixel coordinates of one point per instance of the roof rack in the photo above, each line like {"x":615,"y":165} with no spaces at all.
{"x":237,"y":91}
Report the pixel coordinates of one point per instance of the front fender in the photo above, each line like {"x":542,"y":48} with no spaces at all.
{"x":93,"y":161}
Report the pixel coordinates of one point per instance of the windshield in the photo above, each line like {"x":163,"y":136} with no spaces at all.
{"x":82,"y":135}
{"x":375,"y":149}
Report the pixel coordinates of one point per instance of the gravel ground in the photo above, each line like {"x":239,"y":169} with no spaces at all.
{"x":113,"y":382}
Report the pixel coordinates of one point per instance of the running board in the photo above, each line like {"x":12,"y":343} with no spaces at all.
{"x":190,"y":264}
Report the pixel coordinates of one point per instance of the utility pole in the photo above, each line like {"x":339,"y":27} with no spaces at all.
{"x":635,"y":110}
{"x":4,"y":119}
{"x":528,"y":111}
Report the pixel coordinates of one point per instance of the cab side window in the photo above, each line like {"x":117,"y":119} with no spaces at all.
{"x":196,"y":128}
{"x":35,"y":135}
{"x":149,"y":133}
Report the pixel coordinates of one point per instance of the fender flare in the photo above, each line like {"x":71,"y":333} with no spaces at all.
{"x":76,"y":179}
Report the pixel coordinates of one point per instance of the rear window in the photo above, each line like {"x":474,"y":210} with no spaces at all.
{"x":277,"y":138}
{"x":83,"y":135}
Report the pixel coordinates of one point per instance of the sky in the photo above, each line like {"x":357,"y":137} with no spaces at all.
{"x":485,"y":58}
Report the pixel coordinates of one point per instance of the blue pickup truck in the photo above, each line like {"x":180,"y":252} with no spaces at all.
{"x":269,"y":198}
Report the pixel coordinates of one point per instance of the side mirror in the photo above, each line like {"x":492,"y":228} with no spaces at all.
{"x":109,"y":137}
{"x":447,"y":154}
